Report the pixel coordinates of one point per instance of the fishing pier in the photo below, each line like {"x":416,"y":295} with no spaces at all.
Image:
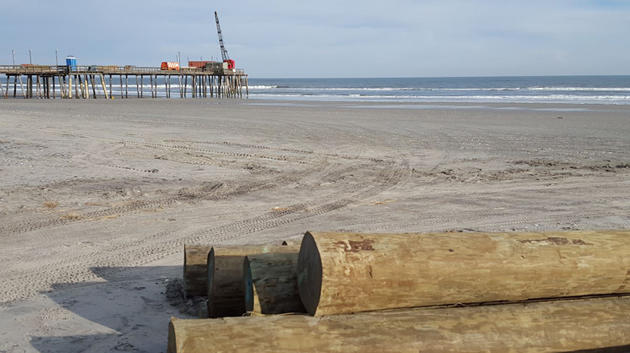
{"x":109,"y":82}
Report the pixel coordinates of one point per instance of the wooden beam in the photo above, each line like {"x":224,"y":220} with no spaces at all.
{"x":600,"y":325}
{"x":351,"y":272}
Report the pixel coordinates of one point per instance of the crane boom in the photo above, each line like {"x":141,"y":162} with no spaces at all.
{"x":224,"y":53}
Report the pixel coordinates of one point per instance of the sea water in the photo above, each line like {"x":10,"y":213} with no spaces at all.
{"x":518,"y":89}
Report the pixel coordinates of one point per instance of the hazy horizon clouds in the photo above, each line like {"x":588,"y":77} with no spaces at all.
{"x":400,"y":38}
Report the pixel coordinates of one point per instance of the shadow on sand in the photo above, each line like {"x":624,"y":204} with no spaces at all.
{"x":128,"y":312}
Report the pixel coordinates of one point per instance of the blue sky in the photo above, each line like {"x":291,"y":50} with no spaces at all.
{"x":325,"y":38}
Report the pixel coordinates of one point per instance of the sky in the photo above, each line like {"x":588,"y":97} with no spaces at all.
{"x":330,"y":38}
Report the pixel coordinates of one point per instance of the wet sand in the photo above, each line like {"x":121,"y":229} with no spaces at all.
{"x":97,"y":197}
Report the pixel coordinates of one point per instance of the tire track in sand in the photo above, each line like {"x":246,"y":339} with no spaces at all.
{"x":113,"y":259}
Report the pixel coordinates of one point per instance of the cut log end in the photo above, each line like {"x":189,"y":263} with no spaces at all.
{"x":309,"y":274}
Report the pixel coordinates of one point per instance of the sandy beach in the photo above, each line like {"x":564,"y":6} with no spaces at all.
{"x":97,"y":198}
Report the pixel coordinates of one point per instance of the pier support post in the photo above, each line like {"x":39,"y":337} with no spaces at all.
{"x":70,"y":86}
{"x":2,"y":89}
{"x":168,"y":87}
{"x":62,"y":89}
{"x":104,"y":87}
{"x":151,"y":83}
{"x":92,"y":78}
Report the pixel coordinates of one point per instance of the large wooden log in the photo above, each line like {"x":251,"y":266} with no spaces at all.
{"x":225,"y":286}
{"x":271,"y":284}
{"x":196,"y":270}
{"x":348,"y":272}
{"x":566,"y":325}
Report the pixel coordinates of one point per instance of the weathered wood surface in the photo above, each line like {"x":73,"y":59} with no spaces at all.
{"x":225,"y":286}
{"x":348,"y":272}
{"x":271,"y":284}
{"x":560,"y":326}
{"x":196,"y":270}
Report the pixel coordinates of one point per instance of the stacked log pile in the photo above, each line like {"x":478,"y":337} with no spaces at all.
{"x":453,"y":292}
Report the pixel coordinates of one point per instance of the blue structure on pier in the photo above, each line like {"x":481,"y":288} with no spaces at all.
{"x":71,"y":62}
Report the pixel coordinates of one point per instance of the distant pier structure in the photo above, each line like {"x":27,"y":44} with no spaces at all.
{"x":109,"y":82}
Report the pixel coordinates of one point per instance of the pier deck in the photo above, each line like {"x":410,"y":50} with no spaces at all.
{"x":51,"y":82}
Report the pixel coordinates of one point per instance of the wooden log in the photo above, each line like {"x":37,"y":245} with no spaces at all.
{"x":196,"y":270}
{"x":225,"y":289}
{"x":349,"y":272}
{"x":560,"y":326}
{"x":196,"y":259}
{"x":271,"y":284}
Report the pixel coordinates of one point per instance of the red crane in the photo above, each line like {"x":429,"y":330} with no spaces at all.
{"x":224,"y":53}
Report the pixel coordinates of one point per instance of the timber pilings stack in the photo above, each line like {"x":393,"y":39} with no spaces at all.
{"x":108,"y":82}
{"x":473,"y":292}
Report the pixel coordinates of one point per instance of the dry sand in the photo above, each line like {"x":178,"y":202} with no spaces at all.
{"x":97,"y":198}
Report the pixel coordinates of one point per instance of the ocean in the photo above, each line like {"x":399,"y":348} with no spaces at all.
{"x":613,"y":90}
{"x":517,"y":89}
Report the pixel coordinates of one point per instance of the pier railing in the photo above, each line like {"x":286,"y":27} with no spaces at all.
{"x":109,"y":69}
